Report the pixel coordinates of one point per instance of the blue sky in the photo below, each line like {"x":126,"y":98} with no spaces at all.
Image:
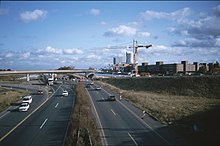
{"x":48,"y":35}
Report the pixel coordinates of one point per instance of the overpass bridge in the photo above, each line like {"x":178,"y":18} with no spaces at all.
{"x":28,"y":72}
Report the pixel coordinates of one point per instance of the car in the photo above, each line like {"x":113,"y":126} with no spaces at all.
{"x":24,"y":107}
{"x":87,"y":86}
{"x":40,"y":92}
{"x":27,"y":99}
{"x":111,"y":98}
{"x":65,"y":93}
{"x":98,"y":88}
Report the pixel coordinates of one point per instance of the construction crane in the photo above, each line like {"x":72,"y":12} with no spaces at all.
{"x":135,"y":47}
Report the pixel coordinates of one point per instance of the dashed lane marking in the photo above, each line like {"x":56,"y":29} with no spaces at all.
{"x":113,"y":112}
{"x":56,"y":105}
{"x":42,"y":125}
{"x":133,"y":139}
{"x":2,"y":138}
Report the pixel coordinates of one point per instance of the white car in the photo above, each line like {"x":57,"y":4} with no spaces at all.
{"x":24,"y":107}
{"x":65,"y":93}
{"x":98,"y":88}
{"x":27,"y":99}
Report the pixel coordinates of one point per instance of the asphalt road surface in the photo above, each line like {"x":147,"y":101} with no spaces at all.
{"x":45,"y":123}
{"x":120,"y":123}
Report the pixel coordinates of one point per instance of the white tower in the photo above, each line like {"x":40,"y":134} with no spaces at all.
{"x":129,"y":58}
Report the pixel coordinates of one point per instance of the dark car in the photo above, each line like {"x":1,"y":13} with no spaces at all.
{"x":111,"y":98}
{"x":40,"y":92}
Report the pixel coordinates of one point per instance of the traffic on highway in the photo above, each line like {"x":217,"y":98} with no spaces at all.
{"x":41,"y":118}
{"x":121,"y":123}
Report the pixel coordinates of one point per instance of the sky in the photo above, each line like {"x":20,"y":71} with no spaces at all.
{"x":49,"y":35}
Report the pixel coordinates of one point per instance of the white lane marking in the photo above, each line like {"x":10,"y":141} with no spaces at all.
{"x":43,"y":123}
{"x":2,"y":138}
{"x":113,"y":112}
{"x":4,"y":114}
{"x":142,"y":121}
{"x":56,"y":105}
{"x":132,"y":139}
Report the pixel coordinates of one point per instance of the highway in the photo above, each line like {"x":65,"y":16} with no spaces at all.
{"x":45,"y":123}
{"x":120,"y":123}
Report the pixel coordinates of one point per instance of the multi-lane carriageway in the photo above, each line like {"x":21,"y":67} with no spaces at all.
{"x":120,"y":123}
{"x":45,"y":123}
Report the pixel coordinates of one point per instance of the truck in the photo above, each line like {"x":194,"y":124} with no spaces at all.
{"x":50,"y":81}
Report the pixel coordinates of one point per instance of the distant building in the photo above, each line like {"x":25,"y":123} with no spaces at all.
{"x":129,"y":58}
{"x":170,"y":69}
{"x":117,"y":60}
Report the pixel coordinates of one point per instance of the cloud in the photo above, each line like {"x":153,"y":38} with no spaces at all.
{"x":176,"y":15}
{"x":144,"y":34}
{"x":202,"y":31}
{"x":95,"y":12}
{"x":34,"y":15}
{"x":49,"y":50}
{"x":162,"y":50}
{"x":216,"y":10}
{"x":25,"y":55}
{"x":52,"y":50}
{"x":8,"y":55}
{"x":121,"y":30}
{"x":194,"y":42}
{"x":72,"y":51}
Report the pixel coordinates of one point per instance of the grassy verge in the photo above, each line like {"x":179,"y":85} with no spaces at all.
{"x":82,"y":129}
{"x":207,"y":87}
{"x":196,"y":118}
{"x":10,"y":96}
{"x":11,"y":79}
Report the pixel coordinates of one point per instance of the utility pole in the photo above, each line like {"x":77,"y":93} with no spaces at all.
{"x":135,"y":50}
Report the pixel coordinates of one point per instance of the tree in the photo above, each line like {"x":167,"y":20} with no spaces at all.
{"x":67,"y":68}
{"x":203,"y":69}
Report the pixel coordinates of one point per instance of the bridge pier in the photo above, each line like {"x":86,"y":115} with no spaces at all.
{"x":28,"y":77}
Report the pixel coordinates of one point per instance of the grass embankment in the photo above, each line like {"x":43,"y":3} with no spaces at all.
{"x":208,"y":87}
{"x":82,"y":129}
{"x":10,"y":96}
{"x":11,"y":79}
{"x":165,"y":101}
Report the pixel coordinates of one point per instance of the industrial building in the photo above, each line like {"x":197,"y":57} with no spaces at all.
{"x":184,"y":67}
{"x":171,"y":69}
